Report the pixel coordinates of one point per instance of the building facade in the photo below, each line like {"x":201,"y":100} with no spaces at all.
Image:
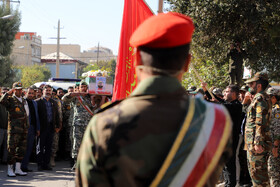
{"x":68,"y":66}
{"x":91,"y":55}
{"x":27,"y":49}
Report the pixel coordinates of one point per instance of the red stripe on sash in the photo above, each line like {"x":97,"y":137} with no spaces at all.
{"x":210,"y":149}
{"x":85,"y":107}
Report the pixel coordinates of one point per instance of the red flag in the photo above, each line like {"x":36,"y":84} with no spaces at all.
{"x":134,"y":13}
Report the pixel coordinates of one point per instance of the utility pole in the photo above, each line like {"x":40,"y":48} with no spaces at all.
{"x":97,"y":53}
{"x":57,"y":49}
{"x":8,"y":3}
{"x":160,"y":6}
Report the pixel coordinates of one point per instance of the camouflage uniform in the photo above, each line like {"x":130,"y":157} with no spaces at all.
{"x":126,"y":144}
{"x":81,"y":118}
{"x":66,"y":125}
{"x":70,"y":124}
{"x":17,"y":127}
{"x":257,"y":133}
{"x":56,"y":134}
{"x":274,"y":163}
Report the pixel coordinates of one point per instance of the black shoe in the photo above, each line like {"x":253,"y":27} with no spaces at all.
{"x":26,"y":170}
{"x":47,"y":168}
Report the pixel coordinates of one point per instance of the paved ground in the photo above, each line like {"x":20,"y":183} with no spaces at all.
{"x":61,"y":176}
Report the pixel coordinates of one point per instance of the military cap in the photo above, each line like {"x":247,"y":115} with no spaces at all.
{"x":191,"y":89}
{"x":218,"y":91}
{"x":17,"y":85}
{"x":244,"y":88}
{"x":273,"y":91}
{"x":164,"y":30}
{"x":258,"y":76}
{"x":33,"y":87}
{"x":83,"y":83}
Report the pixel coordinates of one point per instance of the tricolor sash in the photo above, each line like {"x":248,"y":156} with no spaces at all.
{"x":198,"y":146}
{"x":85,"y":106}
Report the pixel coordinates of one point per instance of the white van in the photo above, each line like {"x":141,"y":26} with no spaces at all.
{"x":63,"y":83}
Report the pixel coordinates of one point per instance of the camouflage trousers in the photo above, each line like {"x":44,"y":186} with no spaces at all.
{"x":78,"y":133}
{"x":68,"y":136}
{"x":274,"y":170}
{"x":16,"y":144}
{"x":55,"y":144}
{"x":257,"y":165}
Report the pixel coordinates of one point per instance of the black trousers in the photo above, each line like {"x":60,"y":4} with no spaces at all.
{"x":236,"y":76}
{"x":45,"y":143}
{"x":229,"y":171}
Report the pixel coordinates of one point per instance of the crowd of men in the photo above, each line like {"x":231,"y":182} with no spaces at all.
{"x":255,"y":113}
{"x":34,"y":119}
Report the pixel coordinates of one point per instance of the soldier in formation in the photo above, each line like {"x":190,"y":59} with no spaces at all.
{"x":274,"y":158}
{"x":134,"y":142}
{"x":257,"y":132}
{"x":17,"y":128}
{"x":80,"y":102}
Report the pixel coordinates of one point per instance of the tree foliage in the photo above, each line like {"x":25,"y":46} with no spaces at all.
{"x":102,"y":65}
{"x":8,"y":30}
{"x":32,"y":74}
{"x":253,"y":23}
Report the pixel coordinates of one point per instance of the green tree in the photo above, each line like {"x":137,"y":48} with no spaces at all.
{"x":33,"y":74}
{"x":8,"y":30}
{"x":102,"y":65}
{"x":255,"y":24}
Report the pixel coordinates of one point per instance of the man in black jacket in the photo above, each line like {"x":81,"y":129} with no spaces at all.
{"x":233,"y":105}
{"x":49,"y":121}
{"x":231,"y":102}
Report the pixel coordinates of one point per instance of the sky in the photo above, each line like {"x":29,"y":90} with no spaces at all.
{"x":86,"y":22}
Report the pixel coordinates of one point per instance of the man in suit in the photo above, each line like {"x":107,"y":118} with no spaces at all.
{"x":49,"y":121}
{"x":33,"y":130}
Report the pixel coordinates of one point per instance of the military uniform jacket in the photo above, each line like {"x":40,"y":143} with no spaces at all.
{"x":80,"y":115}
{"x":17,"y":118}
{"x":275,"y":123}
{"x":257,"y":130}
{"x":126,"y":144}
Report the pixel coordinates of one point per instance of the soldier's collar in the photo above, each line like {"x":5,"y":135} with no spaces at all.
{"x":157,"y":85}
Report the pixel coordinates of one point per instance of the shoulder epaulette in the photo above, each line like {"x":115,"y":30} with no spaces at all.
{"x":107,"y":106}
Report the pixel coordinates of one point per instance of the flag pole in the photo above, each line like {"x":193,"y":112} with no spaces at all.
{"x":201,"y":80}
{"x":160,"y":6}
{"x":148,"y":6}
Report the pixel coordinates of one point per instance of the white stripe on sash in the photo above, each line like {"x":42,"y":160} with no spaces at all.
{"x":199,"y":146}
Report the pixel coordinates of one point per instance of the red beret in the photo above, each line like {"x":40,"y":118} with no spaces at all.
{"x":163,"y":31}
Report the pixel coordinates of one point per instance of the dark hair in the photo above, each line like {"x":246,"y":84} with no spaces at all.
{"x":59,"y":89}
{"x":263,"y":82}
{"x":47,"y":86}
{"x":165,"y":58}
{"x":31,"y":88}
{"x":70,"y":87}
{"x":234,"y":88}
{"x":40,"y":89}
